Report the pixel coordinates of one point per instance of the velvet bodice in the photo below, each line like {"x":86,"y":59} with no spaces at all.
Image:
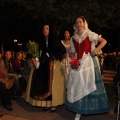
{"x":84,"y":46}
{"x":55,"y":49}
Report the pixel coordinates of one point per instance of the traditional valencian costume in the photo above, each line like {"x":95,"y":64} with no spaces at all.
{"x":66,"y":60}
{"x":85,"y":89}
{"x":46,"y":86}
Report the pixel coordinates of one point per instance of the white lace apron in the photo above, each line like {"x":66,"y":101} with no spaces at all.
{"x":81,"y":81}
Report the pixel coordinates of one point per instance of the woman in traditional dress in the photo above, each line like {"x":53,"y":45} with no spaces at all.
{"x":66,"y":60}
{"x":46,"y":86}
{"x":85,"y":89}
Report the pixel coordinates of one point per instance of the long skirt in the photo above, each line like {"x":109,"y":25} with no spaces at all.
{"x":57,"y":88}
{"x":95,"y":102}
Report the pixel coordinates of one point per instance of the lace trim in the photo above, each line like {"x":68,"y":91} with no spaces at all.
{"x":82,"y":38}
{"x":65,"y":44}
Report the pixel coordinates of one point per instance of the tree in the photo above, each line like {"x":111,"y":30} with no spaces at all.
{"x":101,"y":15}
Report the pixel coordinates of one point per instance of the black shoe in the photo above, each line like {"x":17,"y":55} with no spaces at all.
{"x":8,"y":108}
{"x":46,"y":109}
{"x":1,"y":115}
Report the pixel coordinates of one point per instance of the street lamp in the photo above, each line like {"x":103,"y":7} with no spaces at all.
{"x":15,"y":40}
{"x":20,"y":44}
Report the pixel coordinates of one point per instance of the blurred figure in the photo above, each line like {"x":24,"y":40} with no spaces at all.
{"x":3,"y":90}
{"x":116,"y":79}
{"x":107,"y":61}
{"x":118,"y":60}
{"x":24,"y":55}
{"x":18,"y":63}
{"x":29,"y":64}
{"x":18,"y":68}
{"x":8,"y":59}
{"x":66,"y":60}
{"x":114,"y":61}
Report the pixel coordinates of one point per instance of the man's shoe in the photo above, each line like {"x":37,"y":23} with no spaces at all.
{"x":8,"y":108}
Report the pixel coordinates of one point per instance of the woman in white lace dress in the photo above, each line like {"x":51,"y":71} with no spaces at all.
{"x":66,"y":62}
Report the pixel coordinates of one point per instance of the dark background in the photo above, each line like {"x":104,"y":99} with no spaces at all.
{"x":22,"y":19}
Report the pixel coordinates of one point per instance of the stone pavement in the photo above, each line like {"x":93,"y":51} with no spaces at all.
{"x":24,"y":111}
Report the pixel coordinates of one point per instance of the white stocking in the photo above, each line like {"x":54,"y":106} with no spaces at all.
{"x":77,"y":117}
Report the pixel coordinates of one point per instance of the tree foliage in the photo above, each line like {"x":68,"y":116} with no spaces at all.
{"x":62,"y":12}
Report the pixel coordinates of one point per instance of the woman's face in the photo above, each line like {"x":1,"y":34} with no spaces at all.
{"x":20,"y":56}
{"x":79,"y":24}
{"x":46,"y":30}
{"x":8,"y":55}
{"x":66,"y":35}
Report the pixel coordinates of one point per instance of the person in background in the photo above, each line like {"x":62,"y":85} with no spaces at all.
{"x":114,"y":60}
{"x":8,"y":59}
{"x":116,"y":79}
{"x":85,"y":89}
{"x":18,"y":63}
{"x":46,"y":86}
{"x":3,"y":90}
{"x":29,"y":64}
{"x":24,"y":55}
{"x":18,"y":69}
{"x":66,"y":60}
{"x":118,"y":60}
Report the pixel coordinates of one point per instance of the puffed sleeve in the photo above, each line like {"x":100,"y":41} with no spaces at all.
{"x":72,"y":48}
{"x":93,"y":36}
{"x":94,"y":39}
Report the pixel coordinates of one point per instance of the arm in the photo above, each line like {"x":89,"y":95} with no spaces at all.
{"x":103,"y":42}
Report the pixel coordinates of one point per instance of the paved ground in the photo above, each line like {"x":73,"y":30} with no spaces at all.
{"x":24,"y":111}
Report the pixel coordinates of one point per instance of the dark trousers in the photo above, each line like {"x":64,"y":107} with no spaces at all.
{"x":4,"y":95}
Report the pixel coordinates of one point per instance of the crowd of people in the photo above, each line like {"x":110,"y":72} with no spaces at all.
{"x":112,"y":60}
{"x":52,"y":79}
{"x":11,"y":65}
